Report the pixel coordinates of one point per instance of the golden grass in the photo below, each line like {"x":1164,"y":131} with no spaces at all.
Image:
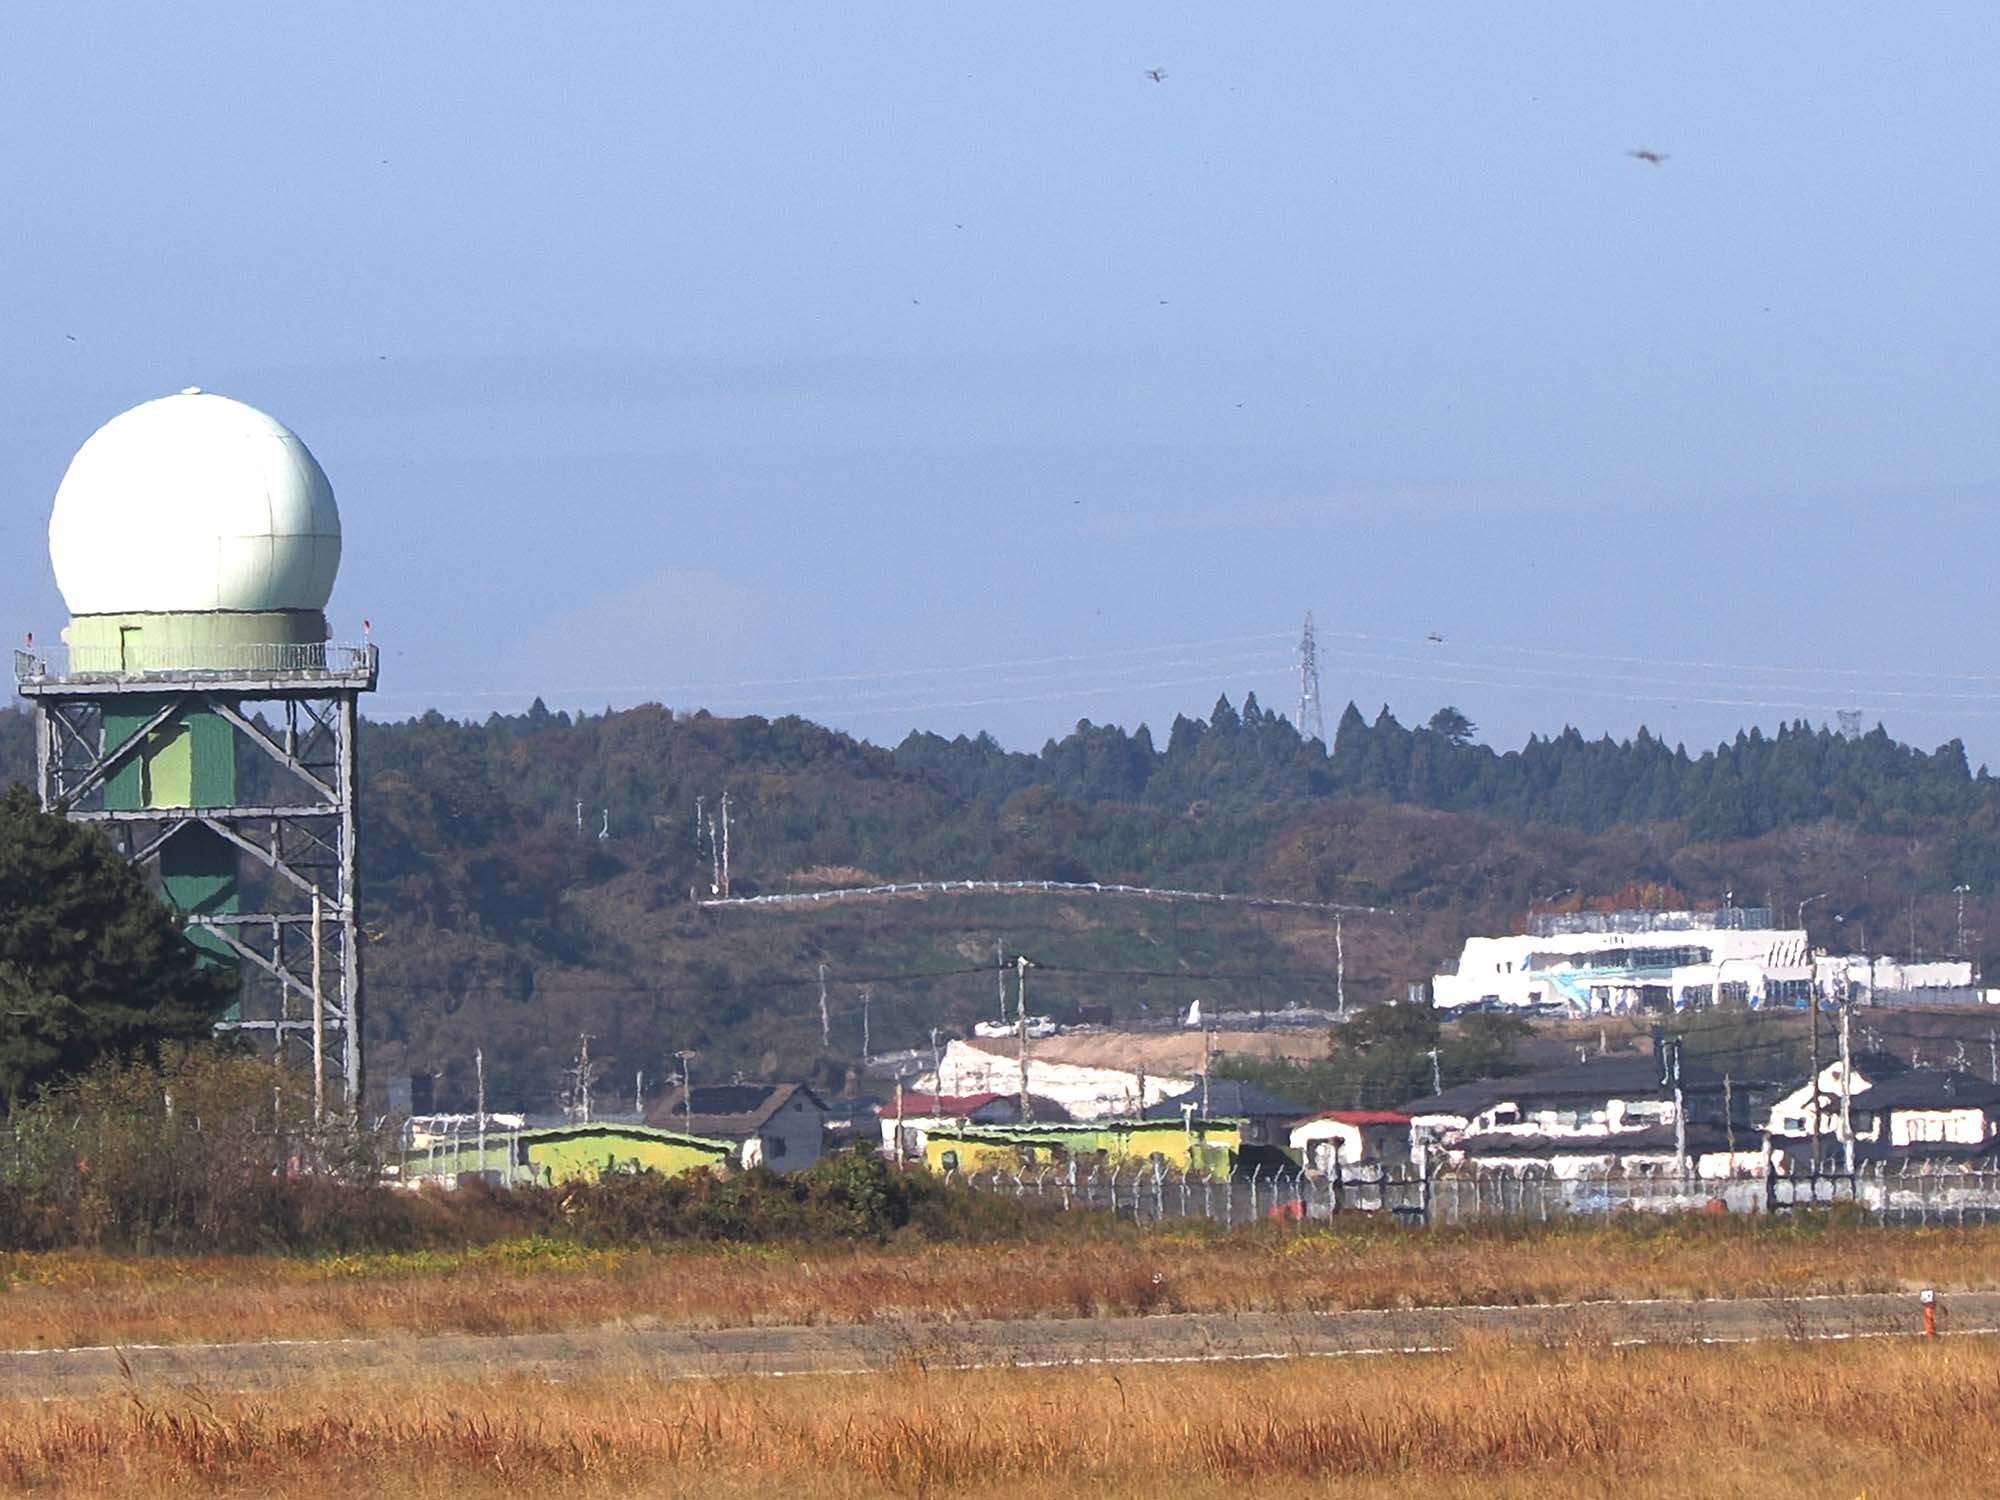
{"x":1766,"y":1421}
{"x":535,"y":1286}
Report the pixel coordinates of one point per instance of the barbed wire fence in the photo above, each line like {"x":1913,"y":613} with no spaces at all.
{"x":1900,"y":1193}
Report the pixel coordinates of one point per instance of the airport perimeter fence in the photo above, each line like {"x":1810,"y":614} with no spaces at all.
{"x":1890,"y":1194}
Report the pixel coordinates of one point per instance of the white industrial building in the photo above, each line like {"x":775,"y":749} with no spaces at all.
{"x":1598,"y":963}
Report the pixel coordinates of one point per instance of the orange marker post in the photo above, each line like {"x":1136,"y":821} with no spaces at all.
{"x":1929,"y":1300}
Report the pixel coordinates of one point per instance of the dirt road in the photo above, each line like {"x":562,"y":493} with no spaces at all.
{"x":685,"y":1353}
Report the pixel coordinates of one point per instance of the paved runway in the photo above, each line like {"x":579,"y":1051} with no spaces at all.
{"x":1038,"y":1343}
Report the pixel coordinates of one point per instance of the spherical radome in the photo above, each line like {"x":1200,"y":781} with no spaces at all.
{"x":194,"y":502}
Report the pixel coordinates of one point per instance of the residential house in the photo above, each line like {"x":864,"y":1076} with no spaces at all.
{"x":1182,"y":1143}
{"x":1930,"y":1106}
{"x":776,"y":1125}
{"x":1437,"y":1118}
{"x":509,"y":1153}
{"x":1351,"y":1138}
{"x":1259,"y":1120}
{"x":1713,"y":1152}
{"x":1792,"y":1115}
{"x":1592,"y":1108}
{"x":560,"y":1153}
{"x":917,"y":1114}
{"x":1898,"y":1113}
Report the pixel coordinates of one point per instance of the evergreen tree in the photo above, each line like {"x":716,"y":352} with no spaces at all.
{"x":91,"y":963}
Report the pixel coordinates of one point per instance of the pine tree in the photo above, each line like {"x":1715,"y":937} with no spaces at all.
{"x":91,"y":963}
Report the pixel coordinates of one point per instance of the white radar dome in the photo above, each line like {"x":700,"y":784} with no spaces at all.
{"x":190,"y":503}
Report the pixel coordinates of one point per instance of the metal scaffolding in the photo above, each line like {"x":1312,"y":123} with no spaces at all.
{"x":292,"y":920}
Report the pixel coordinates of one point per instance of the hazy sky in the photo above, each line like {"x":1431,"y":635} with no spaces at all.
{"x":935,"y":366}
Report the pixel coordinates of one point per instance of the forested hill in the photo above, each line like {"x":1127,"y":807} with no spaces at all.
{"x":496,"y":920}
{"x":1737,"y":790}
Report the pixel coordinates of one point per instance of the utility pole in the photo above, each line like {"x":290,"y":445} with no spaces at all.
{"x":1021,"y":1010}
{"x":1437,"y":1077}
{"x":639,"y":1092}
{"x":866,"y":1050}
{"x":1729,"y":1121}
{"x":1673,"y":1060}
{"x":725,"y":846}
{"x":580,"y":1100}
{"x":1000,"y":979}
{"x":714,"y":861}
{"x":1207,"y":1048}
{"x":687,"y":1092}
{"x":318,"y":1016}
{"x":1812,"y":1004}
{"x":937,"y":1066}
{"x":1312,"y":718}
{"x":1846,"y":1082}
{"x":1339,"y":945}
{"x":825,"y":1024}
{"x":1813,"y":1001}
{"x":479,"y":1072}
{"x":1960,"y":890}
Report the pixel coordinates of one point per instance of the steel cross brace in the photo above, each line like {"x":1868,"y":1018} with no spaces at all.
{"x":277,"y":971}
{"x":112,"y":759}
{"x":254,"y":733}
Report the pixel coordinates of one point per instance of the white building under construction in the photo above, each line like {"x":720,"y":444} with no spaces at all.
{"x":1598,"y":963}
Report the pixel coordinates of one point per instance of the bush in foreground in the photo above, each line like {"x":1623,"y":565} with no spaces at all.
{"x":210,"y":1150}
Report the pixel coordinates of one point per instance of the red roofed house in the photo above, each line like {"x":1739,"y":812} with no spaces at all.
{"x":1353,"y":1137}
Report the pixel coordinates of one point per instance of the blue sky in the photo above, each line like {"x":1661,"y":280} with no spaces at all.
{"x":936,"y":367}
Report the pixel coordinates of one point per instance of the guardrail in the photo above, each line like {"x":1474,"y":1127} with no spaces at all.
{"x":1035,"y":887}
{"x":247,"y":658}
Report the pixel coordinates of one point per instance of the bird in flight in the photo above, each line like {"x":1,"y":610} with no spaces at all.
{"x":1158,"y":75}
{"x":1650,"y":158}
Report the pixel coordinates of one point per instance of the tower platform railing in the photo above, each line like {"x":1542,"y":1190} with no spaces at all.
{"x":93,"y":666}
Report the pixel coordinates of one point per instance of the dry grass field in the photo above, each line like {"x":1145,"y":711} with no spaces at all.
{"x":1778,"y":1420}
{"x":543,"y":1285}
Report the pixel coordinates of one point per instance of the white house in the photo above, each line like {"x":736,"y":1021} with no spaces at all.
{"x":1351,"y":1138}
{"x":776,"y":1125}
{"x":1896,"y":1109}
{"x":1792,"y":1115}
